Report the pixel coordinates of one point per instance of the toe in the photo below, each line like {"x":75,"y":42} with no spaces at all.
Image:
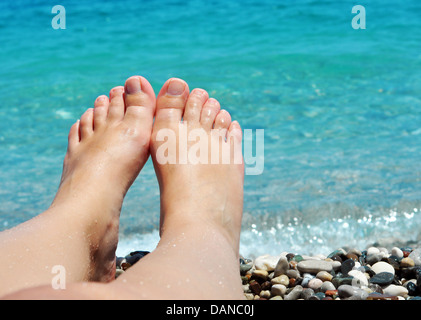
{"x":86,"y":124}
{"x":234,"y":138}
{"x":234,"y":131}
{"x":197,"y":99}
{"x":209,"y":112}
{"x":100,"y":111}
{"x":171,"y":102}
{"x":74,"y":137}
{"x":222,"y":121}
{"x":116,"y":107}
{"x":139,"y":99}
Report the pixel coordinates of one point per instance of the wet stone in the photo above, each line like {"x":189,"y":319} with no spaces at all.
{"x":320,"y":295}
{"x":382,"y":278}
{"x":348,"y":291}
{"x":338,"y":281}
{"x":347,"y":266}
{"x":412,"y":288}
{"x":297,"y":258}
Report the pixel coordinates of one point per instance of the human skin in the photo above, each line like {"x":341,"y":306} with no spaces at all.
{"x":201,"y":206}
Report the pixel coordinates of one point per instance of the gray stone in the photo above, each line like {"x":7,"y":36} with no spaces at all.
{"x":245,"y":267}
{"x":416,"y":256}
{"x":291,"y":273}
{"x":314,"y":266}
{"x":315,"y":284}
{"x":348,"y":291}
{"x":373,"y":258}
{"x":281,"y":267}
{"x":294,"y":294}
{"x":327,"y":285}
{"x":307,"y":293}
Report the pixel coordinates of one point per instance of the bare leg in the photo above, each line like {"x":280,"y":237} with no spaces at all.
{"x":79,"y":232}
{"x":201,"y":208}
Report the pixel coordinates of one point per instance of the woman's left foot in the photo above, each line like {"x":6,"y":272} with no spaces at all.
{"x":107,"y":149}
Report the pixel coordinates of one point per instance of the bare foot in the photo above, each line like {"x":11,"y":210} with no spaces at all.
{"x":201,"y":202}
{"x":107,"y":149}
{"x":209,"y":193}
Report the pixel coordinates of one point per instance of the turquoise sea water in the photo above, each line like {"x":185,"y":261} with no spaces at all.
{"x":341,"y":108}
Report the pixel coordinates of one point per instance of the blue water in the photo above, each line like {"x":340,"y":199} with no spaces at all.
{"x":341,"y":108}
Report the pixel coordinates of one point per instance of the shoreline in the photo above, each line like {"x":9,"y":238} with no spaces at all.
{"x":376,"y":273}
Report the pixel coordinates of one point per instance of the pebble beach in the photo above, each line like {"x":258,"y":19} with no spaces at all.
{"x":377,"y":273}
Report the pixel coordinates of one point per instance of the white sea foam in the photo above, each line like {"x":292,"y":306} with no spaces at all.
{"x":394,"y":228}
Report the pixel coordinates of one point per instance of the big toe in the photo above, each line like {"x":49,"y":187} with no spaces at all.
{"x":171,"y":102}
{"x":139,"y":99}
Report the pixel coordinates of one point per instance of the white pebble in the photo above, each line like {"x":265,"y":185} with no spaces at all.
{"x":266,"y":262}
{"x":382,"y":266}
{"x":278,"y":290}
{"x":397,"y":252}
{"x":372,"y":250}
{"x":394,"y":290}
{"x":315,"y":284}
{"x":360,"y":278}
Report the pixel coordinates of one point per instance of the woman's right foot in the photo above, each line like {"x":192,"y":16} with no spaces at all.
{"x":207,"y":194}
{"x":201,"y":203}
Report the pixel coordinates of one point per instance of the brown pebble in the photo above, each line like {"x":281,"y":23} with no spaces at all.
{"x":375,"y":296}
{"x":352,"y":256}
{"x":331,"y":292}
{"x":407,"y":262}
{"x":266,"y":285}
{"x":292,"y":282}
{"x":293,"y":264}
{"x":255,"y":287}
{"x":260,"y":274}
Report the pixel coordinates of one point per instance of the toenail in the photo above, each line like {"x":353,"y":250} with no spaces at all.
{"x":200,"y":92}
{"x":133,"y":86}
{"x":212,"y":101}
{"x":117,"y":91}
{"x":176,"y":87}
